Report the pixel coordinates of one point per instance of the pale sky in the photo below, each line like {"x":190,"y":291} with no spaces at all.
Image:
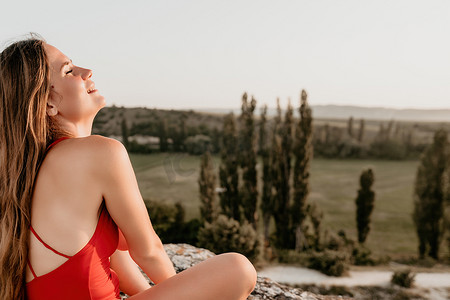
{"x":207,"y":53}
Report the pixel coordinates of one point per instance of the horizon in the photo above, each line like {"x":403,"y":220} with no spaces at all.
{"x":334,"y":112}
{"x":238,"y":107}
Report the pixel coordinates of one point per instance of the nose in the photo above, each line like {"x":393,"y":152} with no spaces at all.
{"x":86,"y":74}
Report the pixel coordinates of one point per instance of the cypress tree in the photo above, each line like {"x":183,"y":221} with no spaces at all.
{"x":207,"y":182}
{"x":247,"y":159}
{"x":364,"y":204}
{"x":281,"y":163}
{"x":447,"y":229}
{"x":429,"y":195}
{"x":266,"y":198}
{"x":350,"y":127}
{"x":276,"y":176}
{"x":228,"y":171}
{"x":361,"y":130}
{"x":303,"y":152}
{"x":287,"y":142}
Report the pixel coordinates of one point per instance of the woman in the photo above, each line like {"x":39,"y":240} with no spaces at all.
{"x":78,"y":196}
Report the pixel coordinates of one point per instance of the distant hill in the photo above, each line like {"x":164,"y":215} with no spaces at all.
{"x":358,"y":112}
{"x":407,"y":126}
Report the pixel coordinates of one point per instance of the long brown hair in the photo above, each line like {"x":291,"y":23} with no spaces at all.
{"x":25,"y":131}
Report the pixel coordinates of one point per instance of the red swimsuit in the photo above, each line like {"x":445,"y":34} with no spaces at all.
{"x":85,"y":275}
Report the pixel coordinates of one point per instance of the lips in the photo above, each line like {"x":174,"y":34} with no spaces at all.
{"x":91,"y":90}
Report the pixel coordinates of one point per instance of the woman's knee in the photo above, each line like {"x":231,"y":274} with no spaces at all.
{"x":242,"y":269}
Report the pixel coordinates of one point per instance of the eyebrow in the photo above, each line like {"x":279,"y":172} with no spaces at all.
{"x":65,"y":64}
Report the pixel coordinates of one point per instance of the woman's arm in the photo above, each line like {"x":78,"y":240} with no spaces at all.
{"x":130,"y":277}
{"x":125,"y":205}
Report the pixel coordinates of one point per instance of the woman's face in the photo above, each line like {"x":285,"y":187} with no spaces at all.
{"x":73,"y":94}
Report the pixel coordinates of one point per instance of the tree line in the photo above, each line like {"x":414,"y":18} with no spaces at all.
{"x":187,"y":131}
{"x":394,"y":141}
{"x":285,"y":146}
{"x":281,"y":200}
{"x":286,"y":150}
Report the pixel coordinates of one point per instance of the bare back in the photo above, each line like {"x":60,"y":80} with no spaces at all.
{"x":65,"y":204}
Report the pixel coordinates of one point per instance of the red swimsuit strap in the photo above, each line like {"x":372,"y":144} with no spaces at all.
{"x":46,"y":245}
{"x":31,"y":268}
{"x":57,"y":141}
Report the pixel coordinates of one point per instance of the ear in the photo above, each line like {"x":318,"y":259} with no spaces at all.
{"x":52,"y":109}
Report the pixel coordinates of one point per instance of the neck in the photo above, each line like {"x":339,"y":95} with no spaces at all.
{"x":79,"y":129}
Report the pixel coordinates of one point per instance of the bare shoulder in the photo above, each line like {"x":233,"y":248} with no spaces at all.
{"x":107,"y":159}
{"x":100,"y":144}
{"x":94,"y":151}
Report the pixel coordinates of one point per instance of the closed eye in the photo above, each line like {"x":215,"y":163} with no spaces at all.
{"x":70,"y":71}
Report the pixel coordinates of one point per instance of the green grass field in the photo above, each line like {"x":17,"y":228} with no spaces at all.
{"x":172,"y":177}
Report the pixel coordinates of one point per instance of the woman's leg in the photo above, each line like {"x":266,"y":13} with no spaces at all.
{"x":228,"y":276}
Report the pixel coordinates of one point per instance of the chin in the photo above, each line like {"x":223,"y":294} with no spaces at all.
{"x":102,"y":102}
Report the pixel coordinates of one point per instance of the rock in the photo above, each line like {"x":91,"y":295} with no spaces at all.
{"x":184,"y":256}
{"x":267,"y":289}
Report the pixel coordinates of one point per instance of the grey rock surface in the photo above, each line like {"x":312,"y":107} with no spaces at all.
{"x":184,"y":256}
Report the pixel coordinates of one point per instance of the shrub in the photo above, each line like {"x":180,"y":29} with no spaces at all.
{"x":289,"y":256}
{"x":197,"y":144}
{"x":334,"y":242}
{"x":339,"y":241}
{"x":388,"y":149}
{"x":404,"y":278}
{"x":168,"y":222}
{"x":332,"y":263}
{"x":361,"y":256}
{"x":225,"y":235}
{"x":161,"y":215}
{"x":186,"y":233}
{"x":326,"y":290}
